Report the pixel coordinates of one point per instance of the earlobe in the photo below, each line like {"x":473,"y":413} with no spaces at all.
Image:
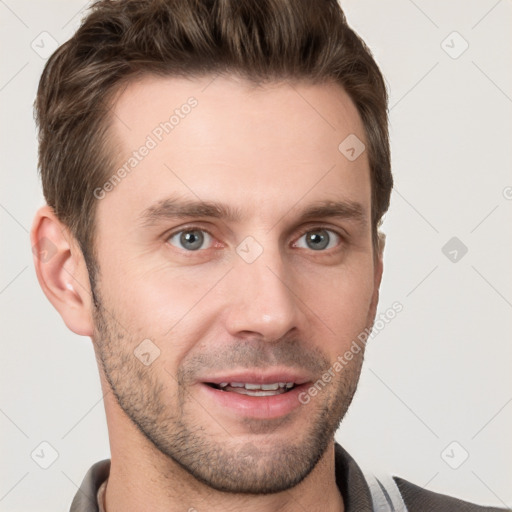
{"x":61,"y":271}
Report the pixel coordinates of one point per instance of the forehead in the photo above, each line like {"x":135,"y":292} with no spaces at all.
{"x":223,"y":139}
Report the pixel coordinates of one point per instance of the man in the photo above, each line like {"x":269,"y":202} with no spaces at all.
{"x":216,"y":173}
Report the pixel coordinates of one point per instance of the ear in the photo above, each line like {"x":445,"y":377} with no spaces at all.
{"x":378,"y":268}
{"x":61,"y":271}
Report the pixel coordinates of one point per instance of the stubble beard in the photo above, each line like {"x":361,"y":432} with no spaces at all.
{"x":274,"y":456}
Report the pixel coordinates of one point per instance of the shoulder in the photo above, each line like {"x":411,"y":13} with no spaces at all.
{"x":360,"y":487}
{"x":419,"y":499}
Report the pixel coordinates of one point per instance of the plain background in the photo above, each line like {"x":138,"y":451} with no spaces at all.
{"x":437,"y":383}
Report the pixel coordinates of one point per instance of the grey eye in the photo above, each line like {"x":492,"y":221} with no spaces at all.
{"x":190,"y":239}
{"x":318,"y":240}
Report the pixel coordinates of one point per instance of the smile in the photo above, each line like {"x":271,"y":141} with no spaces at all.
{"x":250,"y":389}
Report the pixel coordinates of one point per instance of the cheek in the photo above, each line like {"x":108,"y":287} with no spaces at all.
{"x":172,"y":307}
{"x":341,"y":299}
{"x":158,"y":293}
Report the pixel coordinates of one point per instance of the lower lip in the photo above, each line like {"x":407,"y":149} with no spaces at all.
{"x":263,"y":407}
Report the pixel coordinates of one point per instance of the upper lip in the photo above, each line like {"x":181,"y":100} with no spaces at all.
{"x":258,"y":377}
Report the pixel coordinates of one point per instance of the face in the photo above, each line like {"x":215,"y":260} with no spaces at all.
{"x":236,"y":266}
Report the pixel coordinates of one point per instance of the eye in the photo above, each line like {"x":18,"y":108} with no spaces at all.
{"x":191,"y":239}
{"x":318,"y":240}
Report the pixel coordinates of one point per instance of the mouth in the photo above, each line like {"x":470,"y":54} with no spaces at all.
{"x":253,"y":389}
{"x":252,"y":394}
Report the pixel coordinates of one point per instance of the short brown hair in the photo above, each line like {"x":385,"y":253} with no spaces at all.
{"x":260,"y":40}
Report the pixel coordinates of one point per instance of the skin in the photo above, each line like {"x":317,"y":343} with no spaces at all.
{"x":270,"y":154}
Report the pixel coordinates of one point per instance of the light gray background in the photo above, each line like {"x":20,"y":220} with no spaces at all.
{"x":438,"y":373}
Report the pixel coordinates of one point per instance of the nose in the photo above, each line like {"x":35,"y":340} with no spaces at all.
{"x":262,"y":300}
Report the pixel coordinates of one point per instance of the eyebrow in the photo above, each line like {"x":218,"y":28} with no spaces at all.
{"x":174,"y":208}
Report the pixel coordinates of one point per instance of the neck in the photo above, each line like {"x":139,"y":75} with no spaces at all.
{"x":138,"y":483}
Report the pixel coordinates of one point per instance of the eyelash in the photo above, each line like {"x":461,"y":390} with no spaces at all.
{"x":304,"y":232}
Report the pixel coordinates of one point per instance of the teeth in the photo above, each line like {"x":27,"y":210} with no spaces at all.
{"x":269,"y":386}
{"x":253,"y":387}
{"x":259,"y":392}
